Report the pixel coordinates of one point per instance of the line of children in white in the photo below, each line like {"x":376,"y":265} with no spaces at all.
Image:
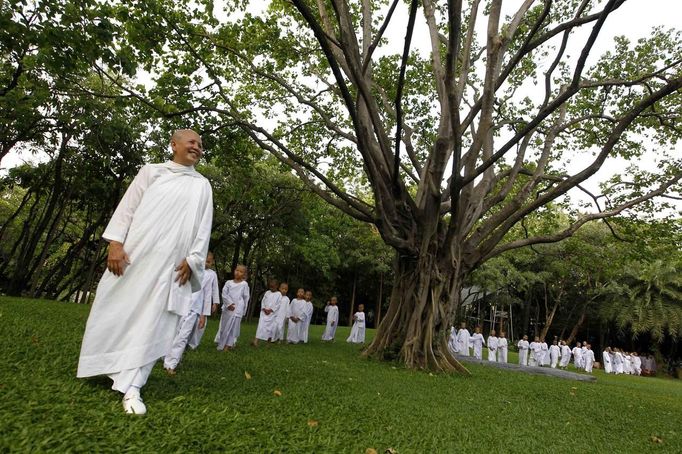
{"x":617,"y":361}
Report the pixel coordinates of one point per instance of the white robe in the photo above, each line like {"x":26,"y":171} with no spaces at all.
{"x":523,"y":347}
{"x":536,"y":354}
{"x":332,"y":322}
{"x":554,"y":352}
{"x":294,"y":330}
{"x":210,"y":296}
{"x":636,"y":365}
{"x":618,"y":363}
{"x":627,"y":364}
{"x":502,"y":348}
{"x":578,"y":358}
{"x":236,"y":293}
{"x":201,"y":305}
{"x":267,"y":323}
{"x":476,"y":340}
{"x":565,"y":356}
{"x":606,"y":359}
{"x":281,"y":317}
{"x":164,"y":217}
{"x":305,"y":327}
{"x":544,"y":361}
{"x":493,"y":343}
{"x":357,"y":332}
{"x":463,"y":341}
{"x":452,"y":341}
{"x":588,"y":360}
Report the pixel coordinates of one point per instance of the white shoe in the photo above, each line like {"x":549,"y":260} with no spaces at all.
{"x":133,"y":405}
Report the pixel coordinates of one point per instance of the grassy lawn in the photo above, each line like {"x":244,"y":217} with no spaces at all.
{"x":333,"y":400}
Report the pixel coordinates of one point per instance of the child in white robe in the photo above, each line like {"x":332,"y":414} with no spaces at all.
{"x":452,"y":341}
{"x":463,"y":338}
{"x":588,"y":358}
{"x":545,"y":353}
{"x":577,"y":356}
{"x":606,"y":359}
{"x":536,"y":355}
{"x":565,"y":355}
{"x":308,"y":316}
{"x":477,"y":342}
{"x":282,"y":312}
{"x":617,"y":361}
{"x":502,"y":347}
{"x":296,"y":317}
{"x":523,"y":347}
{"x":332,"y":311}
{"x":627,"y":363}
{"x":357,"y":332}
{"x":199,"y":310}
{"x":236,"y":296}
{"x":636,"y":364}
{"x":214,"y":297}
{"x":554,"y":352}
{"x":267,"y":322}
{"x":492,"y":346}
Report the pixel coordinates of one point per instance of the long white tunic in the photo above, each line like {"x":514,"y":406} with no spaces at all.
{"x":237,"y":294}
{"x":502,"y":347}
{"x":463,"y":341}
{"x":523,"y":347}
{"x":554,"y":352}
{"x":281,"y":317}
{"x":477,"y":343}
{"x":578,"y":358}
{"x":565,"y":356}
{"x":618,"y":362}
{"x":210,"y":296}
{"x":332,"y":322}
{"x":606,"y":359}
{"x":305,"y":327}
{"x":164,"y":217}
{"x":294,"y":330}
{"x":636,"y":365}
{"x":588,"y":360}
{"x":357,"y":332}
{"x":545,"y":354}
{"x":267,"y":323}
{"x":493,"y":343}
{"x":536,"y":354}
{"x":452,"y":341}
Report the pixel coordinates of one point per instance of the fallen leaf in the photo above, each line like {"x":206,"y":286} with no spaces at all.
{"x":312,"y":423}
{"x":247,"y":375}
{"x":370,"y":451}
{"x":656,"y":439}
{"x":277,"y":393}
{"x":391,"y":451}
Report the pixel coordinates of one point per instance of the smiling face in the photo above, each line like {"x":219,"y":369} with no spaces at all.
{"x":187,"y":147}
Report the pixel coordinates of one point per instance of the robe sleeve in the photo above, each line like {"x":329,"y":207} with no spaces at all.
{"x":118,"y":226}
{"x":199,"y":249}
{"x":246,"y":295}
{"x":211,"y":295}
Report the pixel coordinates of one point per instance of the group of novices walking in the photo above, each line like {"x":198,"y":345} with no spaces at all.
{"x":617,"y":361}
{"x":159,"y":287}
{"x":461,"y":342}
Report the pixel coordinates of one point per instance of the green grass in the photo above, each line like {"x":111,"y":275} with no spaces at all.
{"x":211,"y":407}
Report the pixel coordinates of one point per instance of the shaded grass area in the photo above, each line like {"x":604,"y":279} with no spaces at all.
{"x":333,"y":400}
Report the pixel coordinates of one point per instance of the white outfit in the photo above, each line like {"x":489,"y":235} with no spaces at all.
{"x":267,"y":323}
{"x":493,"y":343}
{"x":565,"y":356}
{"x":545,"y":354}
{"x":164,"y":217}
{"x":606,"y":359}
{"x":305,"y":328}
{"x":588,"y":359}
{"x":618,"y":363}
{"x":463,"y":341}
{"x":536,"y":354}
{"x":578,"y":357}
{"x":237,"y":294}
{"x":281,"y":318}
{"x":554,"y":352}
{"x":201,"y":305}
{"x":476,"y":340}
{"x":357,"y":332}
{"x":636,"y":364}
{"x":332,"y":322}
{"x":502,"y":347}
{"x":214,"y":296}
{"x":295,"y":330}
{"x":523,"y":347}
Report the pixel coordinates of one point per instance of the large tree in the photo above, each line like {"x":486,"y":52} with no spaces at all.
{"x":455,"y":147}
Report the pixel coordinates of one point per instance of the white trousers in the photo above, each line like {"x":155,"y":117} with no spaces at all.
{"x":131,"y":377}
{"x":182,"y":336}
{"x":228,"y":333}
{"x":197,"y":334}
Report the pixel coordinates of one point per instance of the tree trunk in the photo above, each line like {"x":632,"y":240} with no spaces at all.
{"x":576,"y":327}
{"x":414,"y":329}
{"x":352,"y":300}
{"x":380,"y":301}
